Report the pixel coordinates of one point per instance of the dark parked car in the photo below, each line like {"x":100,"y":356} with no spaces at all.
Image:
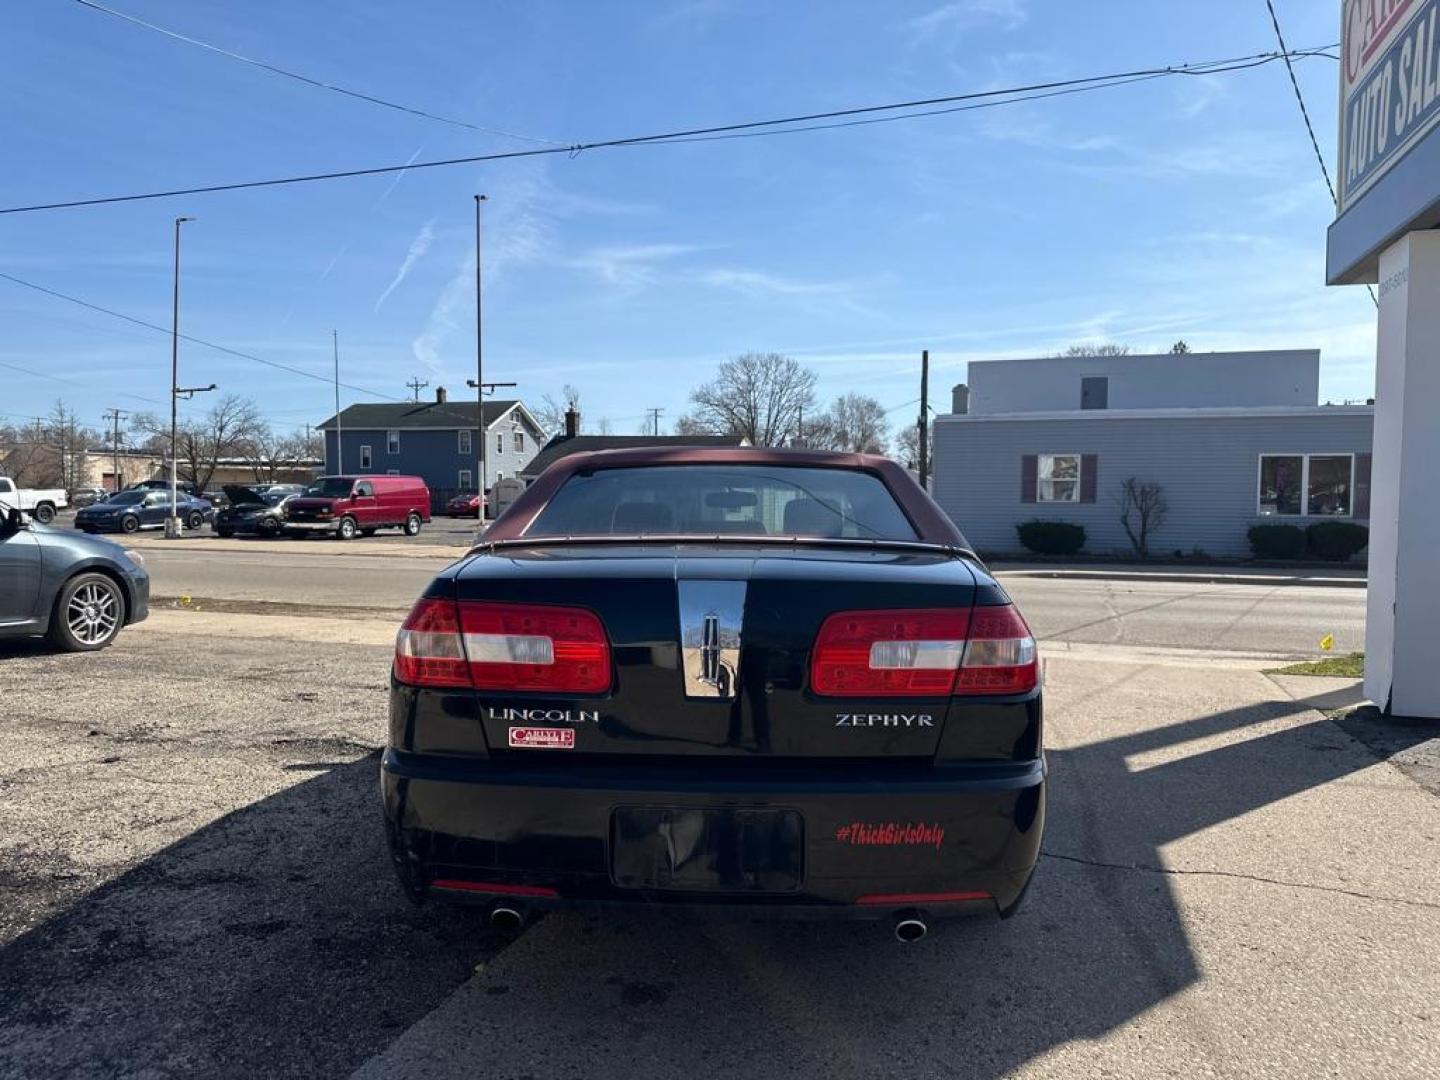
{"x":251,"y":512}
{"x":141,"y":508}
{"x":764,"y":679}
{"x":82,"y":497}
{"x":78,"y":591}
{"x":160,"y":483}
{"x":466,"y":504}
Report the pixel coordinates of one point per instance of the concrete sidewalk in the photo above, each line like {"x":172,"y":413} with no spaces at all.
{"x":1233,"y":886}
{"x":1335,"y":577}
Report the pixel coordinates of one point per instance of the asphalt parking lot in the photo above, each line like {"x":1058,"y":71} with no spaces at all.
{"x":193,"y":883}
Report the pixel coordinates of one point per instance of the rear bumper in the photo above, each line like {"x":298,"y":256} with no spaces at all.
{"x":312,"y":526}
{"x":945,"y":840}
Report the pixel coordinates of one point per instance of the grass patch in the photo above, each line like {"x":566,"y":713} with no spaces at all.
{"x":1351,"y":666}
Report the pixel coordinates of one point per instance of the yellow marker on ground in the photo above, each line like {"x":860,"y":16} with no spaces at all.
{"x":1327,"y":642}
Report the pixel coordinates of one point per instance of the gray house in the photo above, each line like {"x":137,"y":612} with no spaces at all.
{"x":1234,"y":439}
{"x":436,"y":440}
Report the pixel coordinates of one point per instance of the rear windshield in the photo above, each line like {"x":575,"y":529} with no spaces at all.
{"x":331,"y":487}
{"x":710,"y":500}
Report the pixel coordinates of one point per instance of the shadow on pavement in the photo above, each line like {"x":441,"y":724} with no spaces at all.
{"x":272,"y":942}
{"x":1099,"y":944}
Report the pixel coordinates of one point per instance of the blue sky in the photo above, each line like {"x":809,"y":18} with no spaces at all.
{"x":1175,"y":208}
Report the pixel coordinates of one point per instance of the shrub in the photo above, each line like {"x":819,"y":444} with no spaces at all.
{"x":1336,"y":541}
{"x":1051,"y":537}
{"x":1277,"y":541}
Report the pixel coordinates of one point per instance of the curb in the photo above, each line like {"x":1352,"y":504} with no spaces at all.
{"x":1173,"y":577}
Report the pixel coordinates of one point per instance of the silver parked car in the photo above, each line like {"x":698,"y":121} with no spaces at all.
{"x":76,"y":590}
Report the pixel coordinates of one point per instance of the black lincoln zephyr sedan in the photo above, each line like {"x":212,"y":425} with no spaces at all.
{"x":748,"y":679}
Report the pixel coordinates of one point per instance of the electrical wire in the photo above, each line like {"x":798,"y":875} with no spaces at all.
{"x":782,"y":125}
{"x":274,"y":70}
{"x":1305,"y":115}
{"x":183,"y":337}
{"x":71,"y":382}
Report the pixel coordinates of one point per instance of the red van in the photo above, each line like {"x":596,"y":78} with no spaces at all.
{"x":346,"y":505}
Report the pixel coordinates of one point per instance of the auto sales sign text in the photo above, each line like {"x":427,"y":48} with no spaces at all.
{"x":1389,"y":86}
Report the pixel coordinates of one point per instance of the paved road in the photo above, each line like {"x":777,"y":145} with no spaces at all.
{"x":1286,"y":620}
{"x":193,"y":883}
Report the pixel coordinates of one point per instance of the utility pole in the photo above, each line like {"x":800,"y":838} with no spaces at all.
{"x":800,"y":426}
{"x":115,"y":416}
{"x":654,"y":415}
{"x":172,"y":522}
{"x":339,"y":449}
{"x":416,"y":384}
{"x":480,"y":363}
{"x":924,"y":451}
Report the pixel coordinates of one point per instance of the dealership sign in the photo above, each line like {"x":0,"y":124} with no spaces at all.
{"x":1389,"y":107}
{"x":1391,"y":87}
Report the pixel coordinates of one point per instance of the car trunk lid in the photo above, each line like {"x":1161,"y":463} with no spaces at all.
{"x":711,"y":647}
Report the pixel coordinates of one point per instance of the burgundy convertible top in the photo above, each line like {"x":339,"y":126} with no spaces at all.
{"x":931,"y":523}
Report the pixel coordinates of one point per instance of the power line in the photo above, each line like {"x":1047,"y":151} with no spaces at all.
{"x":782,"y":125}
{"x":70,"y":382}
{"x":1305,"y":115}
{"x":184,"y":337}
{"x":297,"y":76}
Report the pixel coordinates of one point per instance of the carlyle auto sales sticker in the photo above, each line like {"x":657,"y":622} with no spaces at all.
{"x":543,"y":738}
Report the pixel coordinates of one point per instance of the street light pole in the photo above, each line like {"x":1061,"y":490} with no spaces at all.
{"x":172,"y":522}
{"x":479,"y":363}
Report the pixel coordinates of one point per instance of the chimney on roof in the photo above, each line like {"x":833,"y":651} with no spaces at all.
{"x":960,"y":399}
{"x":572,"y":422}
{"x":440,"y":395}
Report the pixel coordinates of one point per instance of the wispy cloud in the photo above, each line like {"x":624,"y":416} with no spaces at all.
{"x":630,"y":265}
{"x":457,"y":296}
{"x":517,"y":231}
{"x":418,"y":247}
{"x":760,"y":285}
{"x":1198,"y":93}
{"x":946,"y":23}
{"x":1027,"y":129}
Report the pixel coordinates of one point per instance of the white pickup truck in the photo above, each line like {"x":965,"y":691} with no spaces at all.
{"x":39,"y":503}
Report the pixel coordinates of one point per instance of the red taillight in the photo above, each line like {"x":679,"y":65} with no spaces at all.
{"x":428,"y":650}
{"x":1000,"y":655}
{"x":526,"y":647}
{"x":535,"y":647}
{"x":923,"y":653}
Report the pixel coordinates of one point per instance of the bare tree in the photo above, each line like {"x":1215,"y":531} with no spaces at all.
{"x":551,"y":412}
{"x":1085,"y":349}
{"x":853,"y":422}
{"x":1143,"y":509}
{"x":759,"y":396}
{"x":70,"y":439}
{"x":688,"y":425}
{"x":907,"y":446}
{"x":28,"y":456}
{"x":225,"y":431}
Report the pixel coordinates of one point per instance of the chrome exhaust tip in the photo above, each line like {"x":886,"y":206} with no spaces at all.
{"x":910,"y":928}
{"x":506,"y":919}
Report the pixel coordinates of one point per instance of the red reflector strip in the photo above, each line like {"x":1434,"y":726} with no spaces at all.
{"x":901,"y":899}
{"x":539,"y":892}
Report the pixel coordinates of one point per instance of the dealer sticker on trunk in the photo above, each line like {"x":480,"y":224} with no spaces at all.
{"x":543,"y":738}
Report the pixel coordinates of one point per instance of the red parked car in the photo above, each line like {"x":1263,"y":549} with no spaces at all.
{"x":466,"y":504}
{"x":347,"y":505}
